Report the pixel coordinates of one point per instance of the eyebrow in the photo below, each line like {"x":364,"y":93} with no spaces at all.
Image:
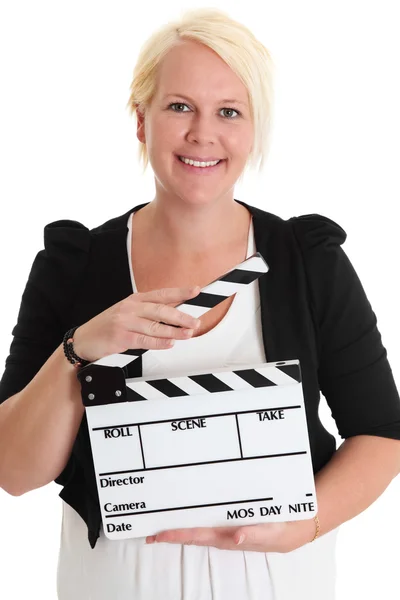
{"x":190,"y":99}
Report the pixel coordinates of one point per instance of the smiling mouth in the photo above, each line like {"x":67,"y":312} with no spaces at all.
{"x":199,"y":169}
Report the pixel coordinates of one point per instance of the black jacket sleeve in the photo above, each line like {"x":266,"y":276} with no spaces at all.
{"x":354,"y":374}
{"x":46,"y":301}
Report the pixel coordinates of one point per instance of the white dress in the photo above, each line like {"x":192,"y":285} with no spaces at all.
{"x":133,"y":570}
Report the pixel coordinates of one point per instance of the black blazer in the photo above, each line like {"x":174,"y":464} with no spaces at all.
{"x":313,"y":308}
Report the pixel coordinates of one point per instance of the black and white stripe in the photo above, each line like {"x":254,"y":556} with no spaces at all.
{"x":211,"y":295}
{"x":103,"y":382}
{"x":266,"y":375}
{"x":231,"y":283}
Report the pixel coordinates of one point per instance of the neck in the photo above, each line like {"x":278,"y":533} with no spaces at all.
{"x":195,"y":230}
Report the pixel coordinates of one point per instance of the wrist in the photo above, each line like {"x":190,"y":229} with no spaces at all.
{"x":317,"y":527}
{"x":78,"y":343}
{"x":304,"y":531}
{"x":70,"y":349}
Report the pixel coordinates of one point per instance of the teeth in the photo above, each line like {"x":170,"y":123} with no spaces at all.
{"x":196,"y":163}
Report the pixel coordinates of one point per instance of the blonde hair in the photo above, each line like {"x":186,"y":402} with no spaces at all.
{"x":235,"y":44}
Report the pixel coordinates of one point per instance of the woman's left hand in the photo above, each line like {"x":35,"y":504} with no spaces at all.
{"x":266,"y":537}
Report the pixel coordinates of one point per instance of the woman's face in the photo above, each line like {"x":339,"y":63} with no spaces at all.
{"x":200,"y":110}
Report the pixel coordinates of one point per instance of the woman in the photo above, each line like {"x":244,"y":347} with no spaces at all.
{"x":201,"y":92}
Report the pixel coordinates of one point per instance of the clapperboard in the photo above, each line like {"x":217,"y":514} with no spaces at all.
{"x":208,"y":449}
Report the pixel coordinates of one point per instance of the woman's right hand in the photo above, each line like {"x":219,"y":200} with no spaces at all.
{"x":142,"y":320}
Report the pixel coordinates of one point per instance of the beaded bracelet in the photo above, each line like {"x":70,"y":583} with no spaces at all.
{"x":73,"y":358}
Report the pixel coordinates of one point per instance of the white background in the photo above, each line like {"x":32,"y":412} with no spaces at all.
{"x":68,"y":151}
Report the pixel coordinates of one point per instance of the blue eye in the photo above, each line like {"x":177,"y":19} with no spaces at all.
{"x":182,"y":104}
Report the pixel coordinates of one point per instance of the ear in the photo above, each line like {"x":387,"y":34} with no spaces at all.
{"x":140,"y":131}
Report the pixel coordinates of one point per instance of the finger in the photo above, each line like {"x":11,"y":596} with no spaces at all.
{"x":185,"y":536}
{"x":168,"y":295}
{"x":147,"y":342}
{"x":221,"y":537}
{"x":150,"y":539}
{"x":141,"y":326}
{"x":167,"y":315}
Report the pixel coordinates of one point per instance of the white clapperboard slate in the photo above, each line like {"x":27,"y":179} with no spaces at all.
{"x":207,"y":449}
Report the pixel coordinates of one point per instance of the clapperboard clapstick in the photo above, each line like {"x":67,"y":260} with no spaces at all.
{"x":232,"y":282}
{"x":214,"y":381}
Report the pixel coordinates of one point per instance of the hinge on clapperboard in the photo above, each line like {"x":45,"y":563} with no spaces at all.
{"x":105,"y":379}
{"x":101,"y":383}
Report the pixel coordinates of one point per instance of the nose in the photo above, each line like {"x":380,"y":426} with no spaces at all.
{"x":201,"y":130}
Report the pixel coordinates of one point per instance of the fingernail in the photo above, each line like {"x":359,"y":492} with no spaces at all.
{"x":150,"y":539}
{"x":241,"y":539}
